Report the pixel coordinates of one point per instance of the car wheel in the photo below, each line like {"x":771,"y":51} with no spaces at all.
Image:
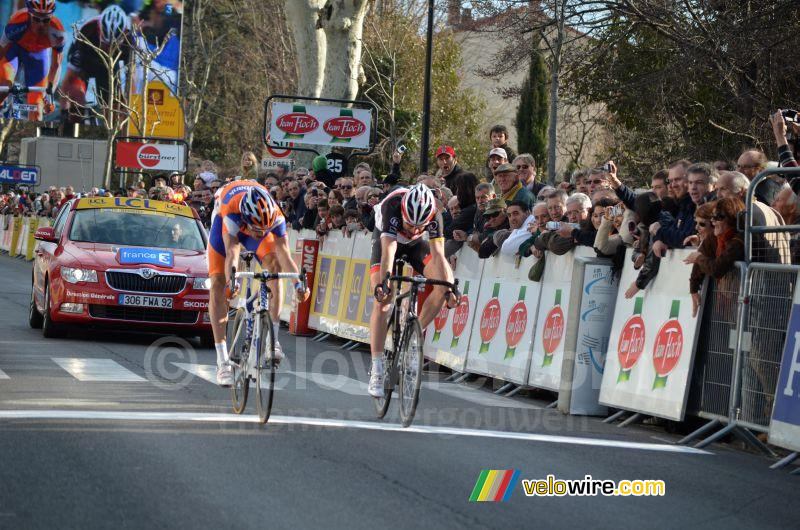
{"x":50,"y":329}
{"x":35,"y":318}
{"x":207,"y":341}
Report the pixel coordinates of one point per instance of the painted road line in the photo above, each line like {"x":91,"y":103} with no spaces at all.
{"x":476,"y":396}
{"x":4,"y":375}
{"x":337,"y":424}
{"x":96,"y":369}
{"x":208,"y":372}
{"x":339,"y":382}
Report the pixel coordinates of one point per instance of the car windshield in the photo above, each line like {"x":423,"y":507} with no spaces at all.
{"x":136,"y":229}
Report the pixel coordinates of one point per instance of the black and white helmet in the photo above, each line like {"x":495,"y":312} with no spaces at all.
{"x":114,"y":23}
{"x":418,"y":205}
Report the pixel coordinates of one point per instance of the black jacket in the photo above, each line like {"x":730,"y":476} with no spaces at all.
{"x":451,"y":179}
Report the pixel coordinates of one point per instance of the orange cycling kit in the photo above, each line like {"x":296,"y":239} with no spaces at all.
{"x":227,"y":219}
{"x":27,"y":40}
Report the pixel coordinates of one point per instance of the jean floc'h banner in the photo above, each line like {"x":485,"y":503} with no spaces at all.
{"x":548,"y":344}
{"x":654,"y":335}
{"x":309,"y":124}
{"x":448,"y":337}
{"x":784,"y":430}
{"x":500,"y":345}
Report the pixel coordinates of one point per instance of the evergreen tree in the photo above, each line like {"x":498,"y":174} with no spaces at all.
{"x":532,"y":114}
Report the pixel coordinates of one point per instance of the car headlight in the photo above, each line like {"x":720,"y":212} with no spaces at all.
{"x":68,"y":274}
{"x":201,"y":284}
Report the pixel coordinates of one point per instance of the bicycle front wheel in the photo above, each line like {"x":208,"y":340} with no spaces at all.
{"x":382,"y":404}
{"x":236,"y":337}
{"x":409,"y":365}
{"x":266,"y":366}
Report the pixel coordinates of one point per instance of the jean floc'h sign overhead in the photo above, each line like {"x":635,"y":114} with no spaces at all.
{"x":320,"y":125}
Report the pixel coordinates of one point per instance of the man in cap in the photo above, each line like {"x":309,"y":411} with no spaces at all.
{"x":509,"y":187}
{"x":448,"y":164}
{"x":497,"y":157}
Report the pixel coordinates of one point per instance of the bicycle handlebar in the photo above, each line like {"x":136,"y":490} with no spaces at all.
{"x":421,"y":280}
{"x":272,"y":275}
{"x":22,"y":89}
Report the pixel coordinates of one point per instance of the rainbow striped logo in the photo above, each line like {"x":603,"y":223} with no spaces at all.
{"x":495,"y":485}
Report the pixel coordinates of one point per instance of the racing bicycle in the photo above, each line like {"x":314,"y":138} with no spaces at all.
{"x":403,"y":355}
{"x":16,"y":107}
{"x":251,"y":341}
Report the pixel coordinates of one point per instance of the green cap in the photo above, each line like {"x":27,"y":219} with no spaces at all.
{"x":495,"y":205}
{"x":320,"y":163}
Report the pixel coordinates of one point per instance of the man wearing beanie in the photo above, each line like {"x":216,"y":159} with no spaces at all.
{"x":321,"y":173}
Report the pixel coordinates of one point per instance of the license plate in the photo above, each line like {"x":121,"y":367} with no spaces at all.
{"x":140,"y":300}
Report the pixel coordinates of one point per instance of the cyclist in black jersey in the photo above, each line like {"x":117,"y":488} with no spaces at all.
{"x":401,"y":220}
{"x":110,"y":31}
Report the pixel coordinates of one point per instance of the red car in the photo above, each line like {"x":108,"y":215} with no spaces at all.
{"x":122,"y":262}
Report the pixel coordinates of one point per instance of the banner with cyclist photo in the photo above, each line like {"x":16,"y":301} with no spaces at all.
{"x":42,"y":34}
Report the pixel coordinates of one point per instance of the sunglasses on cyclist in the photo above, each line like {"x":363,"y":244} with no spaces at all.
{"x":41,"y":20}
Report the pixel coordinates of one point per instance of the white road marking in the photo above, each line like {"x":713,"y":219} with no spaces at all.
{"x":208,"y":372}
{"x":4,"y":375}
{"x":339,"y":382}
{"x":96,"y":369}
{"x":340,"y":424}
{"x":479,"y":397}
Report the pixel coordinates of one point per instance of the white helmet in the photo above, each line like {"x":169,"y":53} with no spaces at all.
{"x":114,"y":23}
{"x":418,"y":205}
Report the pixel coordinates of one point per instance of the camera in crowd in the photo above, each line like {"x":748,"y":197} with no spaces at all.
{"x":557,"y":225}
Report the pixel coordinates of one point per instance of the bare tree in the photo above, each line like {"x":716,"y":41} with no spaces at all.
{"x":113,"y":111}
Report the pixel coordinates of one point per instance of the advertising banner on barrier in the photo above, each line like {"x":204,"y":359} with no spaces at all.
{"x":587,"y":335}
{"x":548,"y":344}
{"x":357,"y":293}
{"x":329,"y":280}
{"x":320,"y":125}
{"x":309,"y":250}
{"x":140,"y":155}
{"x":784,"y":429}
{"x":16,"y":232}
{"x":500,"y":343}
{"x":654,"y":335}
{"x":288,"y":292}
{"x":448,"y":337}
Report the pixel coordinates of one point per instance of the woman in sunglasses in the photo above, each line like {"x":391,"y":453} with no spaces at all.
{"x":706,"y":244}
{"x":727,"y":248}
{"x":28,"y":37}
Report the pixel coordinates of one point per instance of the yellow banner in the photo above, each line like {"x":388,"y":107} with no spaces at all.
{"x":164,"y":113}
{"x":15,"y":235}
{"x":134,"y":203}
{"x":34,"y":224}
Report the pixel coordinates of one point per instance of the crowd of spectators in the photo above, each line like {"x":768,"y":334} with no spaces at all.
{"x":505,"y":210}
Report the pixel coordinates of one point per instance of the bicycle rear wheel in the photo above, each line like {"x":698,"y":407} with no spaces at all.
{"x":382,"y":404}
{"x":266,"y":366}
{"x":236,"y":337}
{"x":409,"y":364}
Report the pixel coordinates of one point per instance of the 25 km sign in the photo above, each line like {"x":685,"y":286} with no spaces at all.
{"x":161,"y":157}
